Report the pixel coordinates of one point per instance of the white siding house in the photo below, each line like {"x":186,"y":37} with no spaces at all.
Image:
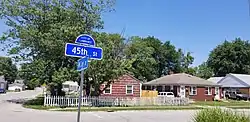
{"x":16,"y":87}
{"x":70,"y":86}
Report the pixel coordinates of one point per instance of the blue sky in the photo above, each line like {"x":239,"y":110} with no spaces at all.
{"x":193,"y":25}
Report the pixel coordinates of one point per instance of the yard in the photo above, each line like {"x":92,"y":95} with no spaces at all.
{"x":229,"y":104}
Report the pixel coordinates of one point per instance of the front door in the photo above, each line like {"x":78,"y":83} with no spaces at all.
{"x":182,"y":91}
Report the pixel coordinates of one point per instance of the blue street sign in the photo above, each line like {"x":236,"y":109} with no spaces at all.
{"x":75,"y":50}
{"x":82,"y":64}
{"x":85,"y":39}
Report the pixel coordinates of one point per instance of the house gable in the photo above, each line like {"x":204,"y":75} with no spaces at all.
{"x":127,"y":79}
{"x":119,"y":86}
{"x":231,"y":81}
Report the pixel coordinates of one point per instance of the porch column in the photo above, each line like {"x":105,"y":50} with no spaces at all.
{"x":171,"y":88}
{"x":163,"y":88}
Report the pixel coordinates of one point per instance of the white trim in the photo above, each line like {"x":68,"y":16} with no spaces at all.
{"x":110,"y":89}
{"x":209,"y":89}
{"x":132,"y":89}
{"x":191,"y":89}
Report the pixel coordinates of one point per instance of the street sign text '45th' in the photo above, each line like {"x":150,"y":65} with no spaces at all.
{"x":75,"y":50}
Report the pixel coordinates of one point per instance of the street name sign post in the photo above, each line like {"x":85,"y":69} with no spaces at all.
{"x":84,"y":49}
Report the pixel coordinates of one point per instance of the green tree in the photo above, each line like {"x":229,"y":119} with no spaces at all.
{"x":203,"y":71}
{"x":149,"y":58}
{"x":8,"y":69}
{"x":110,"y":67}
{"x":140,"y":60}
{"x":230,"y":57}
{"x":39,"y":30}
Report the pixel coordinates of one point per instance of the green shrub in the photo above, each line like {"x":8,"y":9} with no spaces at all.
{"x":219,"y":115}
{"x":36,"y":101}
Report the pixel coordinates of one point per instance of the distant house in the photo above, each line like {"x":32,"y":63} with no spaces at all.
{"x":16,"y":87}
{"x":124,"y":86}
{"x":3,"y":84}
{"x":70,"y":86}
{"x":185,"y":85}
{"x":236,"y":82}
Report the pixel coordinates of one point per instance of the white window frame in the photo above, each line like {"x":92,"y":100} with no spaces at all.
{"x":127,"y":89}
{"x":191,"y":88}
{"x":209,"y":91}
{"x":109,"y":90}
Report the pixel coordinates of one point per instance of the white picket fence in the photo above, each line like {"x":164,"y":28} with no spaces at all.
{"x":113,"y":101}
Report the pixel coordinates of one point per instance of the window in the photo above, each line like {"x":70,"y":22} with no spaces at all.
{"x":66,"y":86}
{"x":193,"y":90}
{"x":108,"y":90}
{"x":129,"y":89}
{"x":208,"y":91}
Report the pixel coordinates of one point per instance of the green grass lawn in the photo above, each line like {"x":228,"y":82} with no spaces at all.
{"x":229,"y":103}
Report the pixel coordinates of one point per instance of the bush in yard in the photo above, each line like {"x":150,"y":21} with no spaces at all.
{"x":36,"y":101}
{"x":219,"y":115}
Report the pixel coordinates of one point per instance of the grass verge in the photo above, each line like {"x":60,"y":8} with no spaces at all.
{"x":86,"y":109}
{"x":239,"y":107}
{"x":229,"y":103}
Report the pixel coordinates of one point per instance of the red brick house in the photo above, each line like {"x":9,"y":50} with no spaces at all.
{"x":185,"y":85}
{"x":124,"y":86}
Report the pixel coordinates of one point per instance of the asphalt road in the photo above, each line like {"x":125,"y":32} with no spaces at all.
{"x":11,"y":112}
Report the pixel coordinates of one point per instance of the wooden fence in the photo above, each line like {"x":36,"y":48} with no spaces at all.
{"x":149,"y":93}
{"x":113,"y":101}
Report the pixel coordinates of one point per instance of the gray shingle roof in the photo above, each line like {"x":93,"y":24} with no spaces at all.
{"x":181,"y":79}
{"x":215,"y":79}
{"x":243,"y":77}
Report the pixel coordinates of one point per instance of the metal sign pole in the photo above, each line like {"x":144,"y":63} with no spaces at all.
{"x":80,"y":96}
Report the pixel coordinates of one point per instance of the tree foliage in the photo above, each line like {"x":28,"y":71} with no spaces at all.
{"x":8,"y":69}
{"x":39,"y":30}
{"x":148,"y":58}
{"x":230,"y":57}
{"x":203,"y":71}
{"x":110,"y":67}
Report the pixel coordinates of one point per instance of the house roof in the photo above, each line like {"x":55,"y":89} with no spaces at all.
{"x":215,"y":79}
{"x":16,"y":84}
{"x":181,"y":79}
{"x":19,"y":81}
{"x":242,"y":77}
{"x":72,"y":83}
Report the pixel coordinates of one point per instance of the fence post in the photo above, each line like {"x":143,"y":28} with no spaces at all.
{"x":44,"y":101}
